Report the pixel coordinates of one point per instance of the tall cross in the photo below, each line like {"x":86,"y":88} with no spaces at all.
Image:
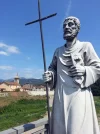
{"x":43,"y":52}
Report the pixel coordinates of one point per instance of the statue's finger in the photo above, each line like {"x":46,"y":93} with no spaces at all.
{"x":72,"y":67}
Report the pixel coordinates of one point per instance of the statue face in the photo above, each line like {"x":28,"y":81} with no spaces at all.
{"x":70,"y":29}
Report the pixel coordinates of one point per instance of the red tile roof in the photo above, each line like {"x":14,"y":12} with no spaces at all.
{"x":11,"y":83}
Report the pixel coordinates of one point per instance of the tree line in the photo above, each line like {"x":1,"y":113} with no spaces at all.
{"x":96,"y":88}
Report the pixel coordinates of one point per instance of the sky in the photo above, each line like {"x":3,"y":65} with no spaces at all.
{"x":20,"y":45}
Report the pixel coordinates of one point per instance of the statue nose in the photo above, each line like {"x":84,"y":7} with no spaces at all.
{"x":67,"y":27}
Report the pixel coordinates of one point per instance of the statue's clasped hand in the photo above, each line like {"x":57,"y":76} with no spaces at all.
{"x":77,"y":70}
{"x":47,"y":76}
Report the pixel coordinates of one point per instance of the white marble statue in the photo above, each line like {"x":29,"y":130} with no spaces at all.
{"x":74,"y":68}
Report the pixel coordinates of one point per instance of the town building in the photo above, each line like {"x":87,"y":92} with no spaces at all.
{"x":15,"y":86}
{"x":31,"y":87}
{"x":10,"y":86}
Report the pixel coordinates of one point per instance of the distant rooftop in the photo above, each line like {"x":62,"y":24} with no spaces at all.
{"x":11,"y":83}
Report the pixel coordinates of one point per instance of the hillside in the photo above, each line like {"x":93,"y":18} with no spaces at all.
{"x":31,"y":81}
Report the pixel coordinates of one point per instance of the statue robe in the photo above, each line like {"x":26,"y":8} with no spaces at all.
{"x":73,"y":109}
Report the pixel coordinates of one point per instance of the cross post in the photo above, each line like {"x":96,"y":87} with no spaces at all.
{"x":43,"y":52}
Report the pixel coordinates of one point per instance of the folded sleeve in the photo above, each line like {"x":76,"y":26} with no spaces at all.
{"x":92,"y":66}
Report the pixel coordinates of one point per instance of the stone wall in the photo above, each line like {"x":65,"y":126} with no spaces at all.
{"x":41,"y":93}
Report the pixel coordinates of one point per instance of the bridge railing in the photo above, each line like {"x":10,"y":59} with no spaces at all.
{"x":37,"y":127}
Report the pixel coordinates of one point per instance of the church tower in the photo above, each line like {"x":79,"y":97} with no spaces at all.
{"x":16,"y":79}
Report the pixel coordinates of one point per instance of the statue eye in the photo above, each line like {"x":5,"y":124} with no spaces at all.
{"x":70,"y":24}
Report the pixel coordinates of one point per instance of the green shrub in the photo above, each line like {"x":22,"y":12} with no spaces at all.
{"x":17,"y":90}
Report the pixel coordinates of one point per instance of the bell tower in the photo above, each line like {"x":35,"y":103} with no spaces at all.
{"x":16,"y":79}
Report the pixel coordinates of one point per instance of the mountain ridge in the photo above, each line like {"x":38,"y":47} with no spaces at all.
{"x":23,"y":81}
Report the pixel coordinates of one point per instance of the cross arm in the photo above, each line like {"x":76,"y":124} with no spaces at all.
{"x":41,"y":19}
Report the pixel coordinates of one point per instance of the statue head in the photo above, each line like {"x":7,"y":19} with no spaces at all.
{"x":71,"y":27}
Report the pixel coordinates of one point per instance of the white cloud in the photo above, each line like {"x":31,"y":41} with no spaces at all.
{"x":31,"y":73}
{"x":7,"y":72}
{"x":67,"y":12}
{"x":6,"y":67}
{"x":12,"y":49}
{"x":7,"y":49}
{"x":2,"y":44}
{"x":3,"y":53}
{"x":68,"y":8}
